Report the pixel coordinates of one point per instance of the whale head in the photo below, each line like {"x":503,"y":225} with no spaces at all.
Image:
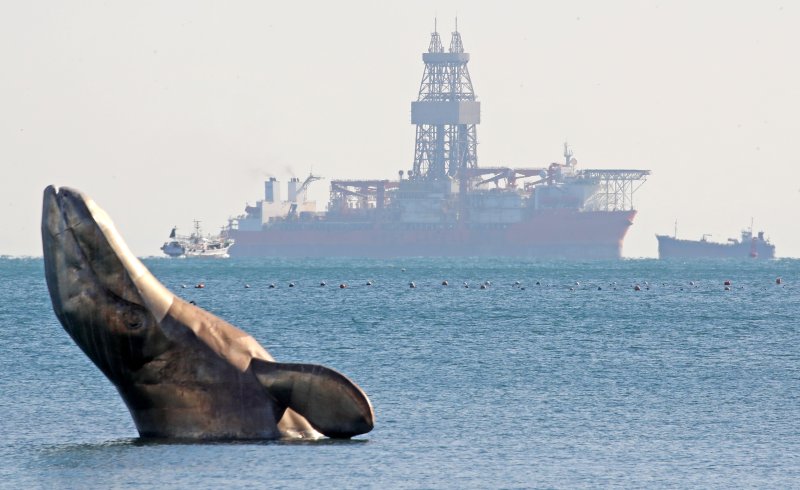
{"x":104,"y":297}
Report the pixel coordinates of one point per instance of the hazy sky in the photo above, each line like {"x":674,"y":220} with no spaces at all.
{"x":168,"y":111}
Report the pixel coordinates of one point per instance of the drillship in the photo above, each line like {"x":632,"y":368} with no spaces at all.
{"x":749,"y":246}
{"x":446,"y":205}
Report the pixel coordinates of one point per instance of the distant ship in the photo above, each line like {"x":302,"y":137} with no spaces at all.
{"x":756,"y":247}
{"x":196,"y":245}
{"x":446,"y":205}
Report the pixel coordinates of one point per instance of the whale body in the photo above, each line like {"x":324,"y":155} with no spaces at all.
{"x":182,"y":372}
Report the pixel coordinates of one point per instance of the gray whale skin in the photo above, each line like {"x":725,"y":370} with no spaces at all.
{"x":182,"y":372}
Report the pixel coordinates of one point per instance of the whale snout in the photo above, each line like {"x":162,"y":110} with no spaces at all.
{"x":72,"y":223}
{"x":78,"y":236}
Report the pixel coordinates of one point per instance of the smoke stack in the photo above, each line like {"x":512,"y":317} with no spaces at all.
{"x":272,"y":190}
{"x":294,"y":184}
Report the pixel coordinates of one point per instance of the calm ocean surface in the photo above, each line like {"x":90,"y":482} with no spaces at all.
{"x":560,"y":384}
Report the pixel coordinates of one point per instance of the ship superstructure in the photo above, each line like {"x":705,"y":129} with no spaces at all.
{"x":198,"y":245}
{"x":446,"y":205}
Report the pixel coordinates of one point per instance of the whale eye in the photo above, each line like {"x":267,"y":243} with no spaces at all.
{"x":133,"y":320}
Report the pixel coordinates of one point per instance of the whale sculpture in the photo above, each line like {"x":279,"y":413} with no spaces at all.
{"x":182,"y":372}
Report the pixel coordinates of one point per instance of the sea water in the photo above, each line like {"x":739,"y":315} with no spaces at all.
{"x":569,"y":379}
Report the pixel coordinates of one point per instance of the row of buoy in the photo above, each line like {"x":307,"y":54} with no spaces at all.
{"x":485,"y":285}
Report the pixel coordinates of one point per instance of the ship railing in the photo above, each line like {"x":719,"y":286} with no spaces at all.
{"x":616,"y":188}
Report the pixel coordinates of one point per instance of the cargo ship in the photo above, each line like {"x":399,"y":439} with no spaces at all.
{"x":446,"y":205}
{"x":749,"y":246}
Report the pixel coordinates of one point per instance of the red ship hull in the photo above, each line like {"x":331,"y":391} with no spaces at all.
{"x":547,"y":234}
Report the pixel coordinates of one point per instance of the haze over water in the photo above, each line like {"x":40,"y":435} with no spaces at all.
{"x":559,"y":384}
{"x":165,"y":112}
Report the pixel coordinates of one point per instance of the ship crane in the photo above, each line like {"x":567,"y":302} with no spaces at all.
{"x":509,"y":174}
{"x":304,"y":186}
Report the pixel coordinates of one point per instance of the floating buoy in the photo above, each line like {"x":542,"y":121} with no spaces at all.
{"x":291,"y":284}
{"x":727,"y":283}
{"x":516,"y":283}
{"x":538,"y":283}
{"x":183,"y":286}
{"x":322,"y":284}
{"x":191,"y":302}
{"x":369,"y":283}
{"x":727,"y":288}
{"x":637,"y":288}
{"x":778,"y":280}
{"x":199,"y":285}
{"x":342,"y":286}
{"x":483,"y":286}
{"x":412,"y":285}
{"x":523,"y":288}
{"x":599,"y":288}
{"x":247,"y":286}
{"x":577,"y":283}
{"x":445,"y":283}
{"x":272,"y":286}
{"x":402,"y":270}
{"x":691,"y":283}
{"x":572,"y":289}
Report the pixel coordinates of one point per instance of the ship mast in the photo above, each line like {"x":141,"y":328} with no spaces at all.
{"x":445,"y":114}
{"x":567,"y":154}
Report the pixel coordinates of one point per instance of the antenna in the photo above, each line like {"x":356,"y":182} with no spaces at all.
{"x":435,"y":24}
{"x":567,"y":153}
{"x":456,"y":23}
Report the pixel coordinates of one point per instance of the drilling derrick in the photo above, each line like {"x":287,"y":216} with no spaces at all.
{"x":445,"y":114}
